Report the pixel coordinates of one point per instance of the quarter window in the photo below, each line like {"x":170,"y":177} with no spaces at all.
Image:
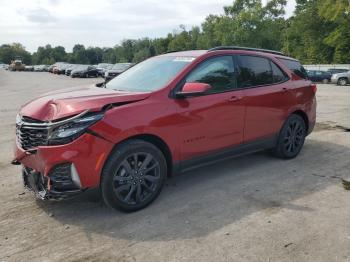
{"x":254,"y":71}
{"x":277,"y":74}
{"x":218,"y":72}
{"x":295,"y":67}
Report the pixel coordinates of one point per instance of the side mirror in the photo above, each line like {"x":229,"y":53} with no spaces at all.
{"x":100,"y":84}
{"x":193,"y":89}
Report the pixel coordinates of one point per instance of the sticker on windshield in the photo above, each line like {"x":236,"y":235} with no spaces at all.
{"x":183,"y":59}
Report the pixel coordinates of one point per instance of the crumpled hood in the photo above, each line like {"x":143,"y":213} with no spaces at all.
{"x":66,"y":102}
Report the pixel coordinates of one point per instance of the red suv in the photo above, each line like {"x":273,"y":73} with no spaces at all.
{"x":165,"y":115}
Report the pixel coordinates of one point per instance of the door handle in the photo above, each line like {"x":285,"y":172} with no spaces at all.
{"x":234,"y":98}
{"x":284,"y":89}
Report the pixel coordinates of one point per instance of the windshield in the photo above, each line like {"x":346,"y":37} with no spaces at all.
{"x":82,"y":67}
{"x":149,"y":75}
{"x":121,"y":66}
{"x":103,"y":65}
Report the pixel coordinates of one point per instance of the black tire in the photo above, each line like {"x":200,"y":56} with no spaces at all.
{"x":127,"y":186}
{"x":291,"y":138}
{"x":342,"y":81}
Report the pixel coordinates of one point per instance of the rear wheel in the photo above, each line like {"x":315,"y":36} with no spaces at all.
{"x":291,"y":138}
{"x":133,"y":175}
{"x":342,"y":81}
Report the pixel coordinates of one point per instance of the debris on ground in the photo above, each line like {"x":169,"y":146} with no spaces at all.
{"x":287,"y":245}
{"x":346,"y":184}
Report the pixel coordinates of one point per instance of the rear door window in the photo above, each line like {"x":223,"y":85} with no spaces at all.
{"x":254,"y":71}
{"x":295,"y":67}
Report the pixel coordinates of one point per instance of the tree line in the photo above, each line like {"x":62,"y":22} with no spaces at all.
{"x":317,"y":32}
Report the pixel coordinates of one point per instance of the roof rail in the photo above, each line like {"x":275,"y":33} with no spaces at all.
{"x":245,"y":48}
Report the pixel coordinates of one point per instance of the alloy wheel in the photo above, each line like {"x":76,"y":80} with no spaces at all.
{"x":294,"y":135}
{"x":342,"y":82}
{"x":136,"y":178}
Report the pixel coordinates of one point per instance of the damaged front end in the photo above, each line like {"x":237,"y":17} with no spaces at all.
{"x":61,"y":183}
{"x":58,"y":145}
{"x":59,"y":179}
{"x":34,"y":181}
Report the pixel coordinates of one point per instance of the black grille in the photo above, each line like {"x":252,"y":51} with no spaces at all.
{"x":31,"y":136}
{"x":28,"y":119}
{"x":61,"y":179}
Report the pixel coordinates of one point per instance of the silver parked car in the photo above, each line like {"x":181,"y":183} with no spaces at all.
{"x":116,"y":70}
{"x":41,"y":68}
{"x":341,"y":79}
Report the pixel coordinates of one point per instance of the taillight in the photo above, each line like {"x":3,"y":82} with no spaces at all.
{"x":313,"y":88}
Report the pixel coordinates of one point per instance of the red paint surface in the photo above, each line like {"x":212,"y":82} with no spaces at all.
{"x":190,"y":127}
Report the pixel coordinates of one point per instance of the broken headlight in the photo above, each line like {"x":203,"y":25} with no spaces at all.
{"x":71,"y":130}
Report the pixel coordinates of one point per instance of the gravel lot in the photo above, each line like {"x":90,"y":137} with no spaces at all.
{"x":252,"y":208}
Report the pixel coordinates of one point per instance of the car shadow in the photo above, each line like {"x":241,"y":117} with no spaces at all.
{"x":196,"y":203}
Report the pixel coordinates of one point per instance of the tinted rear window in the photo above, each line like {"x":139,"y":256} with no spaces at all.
{"x":295,"y":66}
{"x":254,"y":71}
{"x":278,"y":75}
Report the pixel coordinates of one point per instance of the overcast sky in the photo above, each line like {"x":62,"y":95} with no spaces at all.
{"x":99,"y":22}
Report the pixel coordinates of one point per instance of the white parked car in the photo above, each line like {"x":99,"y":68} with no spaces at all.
{"x":4,"y":66}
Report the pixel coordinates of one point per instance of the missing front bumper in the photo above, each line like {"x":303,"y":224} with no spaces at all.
{"x":43,"y":188}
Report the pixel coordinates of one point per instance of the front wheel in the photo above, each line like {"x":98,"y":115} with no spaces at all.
{"x":291,"y":138}
{"x":342,"y":82}
{"x":133,"y":175}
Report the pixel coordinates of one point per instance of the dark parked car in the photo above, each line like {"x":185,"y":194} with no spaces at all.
{"x":54,"y":66}
{"x":116,"y":70}
{"x":319,"y":76}
{"x":61,"y":69}
{"x":337,"y":70}
{"x":84,"y":71}
{"x":70,"y":69}
{"x":102,"y":68}
{"x":165,"y":115}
